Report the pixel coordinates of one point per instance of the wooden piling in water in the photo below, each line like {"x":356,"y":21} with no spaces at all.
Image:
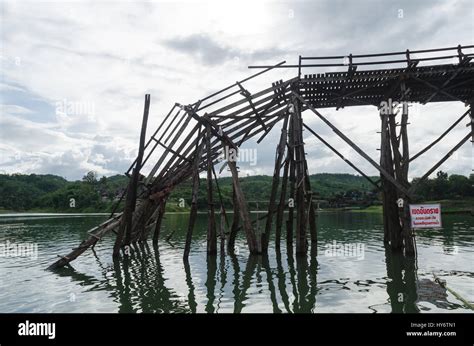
{"x":281,"y":203}
{"x":235,"y":223}
{"x":193,"y":212}
{"x":301,"y":243}
{"x":280,"y":152}
{"x":243,"y":210}
{"x":292,"y":182}
{"x":126,"y":224}
{"x":211,"y":226}
{"x":159,"y":220}
{"x":389,"y":193}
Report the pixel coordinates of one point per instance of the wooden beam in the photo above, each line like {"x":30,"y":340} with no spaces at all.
{"x":342,"y":156}
{"x":125,"y":230}
{"x":235,"y":223}
{"x":355,"y":147}
{"x":292,"y":180}
{"x":243,"y":210}
{"x":281,"y":204}
{"x":280,"y":152}
{"x":193,"y":212}
{"x":211,"y":222}
{"x":161,"y":213}
{"x":440,"y":162}
{"x":429,"y":146}
{"x":301,"y":243}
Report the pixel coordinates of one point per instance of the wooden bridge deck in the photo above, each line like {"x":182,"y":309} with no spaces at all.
{"x":438,"y":83}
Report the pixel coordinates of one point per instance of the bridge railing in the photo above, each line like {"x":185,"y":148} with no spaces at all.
{"x":354,"y":60}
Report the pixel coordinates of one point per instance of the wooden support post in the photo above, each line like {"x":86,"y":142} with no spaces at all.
{"x":280,"y":152}
{"x":311,"y":210}
{"x":222,"y":231}
{"x":384,"y":172}
{"x":301,"y":221}
{"x":402,"y":176}
{"x":159,"y":219}
{"x":193,"y":212}
{"x":281,"y":204}
{"x":292,"y":179}
{"x":235,"y":223}
{"x":126,"y":223}
{"x":243,"y":210}
{"x":392,"y":229}
{"x":211,"y":225}
{"x":471,"y":114}
{"x":140,"y":226}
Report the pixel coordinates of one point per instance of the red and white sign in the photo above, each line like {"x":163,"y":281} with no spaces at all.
{"x":425,"y":215}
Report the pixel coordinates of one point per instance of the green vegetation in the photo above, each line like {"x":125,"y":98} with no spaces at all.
{"x":50,"y":193}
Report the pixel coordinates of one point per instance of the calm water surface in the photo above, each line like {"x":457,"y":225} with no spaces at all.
{"x":358,"y":277}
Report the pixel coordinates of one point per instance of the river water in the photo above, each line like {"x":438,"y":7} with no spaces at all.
{"x":351,"y":272}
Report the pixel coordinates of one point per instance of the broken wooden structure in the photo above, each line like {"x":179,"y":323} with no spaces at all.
{"x":191,"y":137}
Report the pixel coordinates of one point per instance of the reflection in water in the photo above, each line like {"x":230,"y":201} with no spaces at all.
{"x":189,"y":283}
{"x":155,"y":279}
{"x":211,"y":282}
{"x":138,"y":283}
{"x":271,"y":285}
{"x":401,"y":286}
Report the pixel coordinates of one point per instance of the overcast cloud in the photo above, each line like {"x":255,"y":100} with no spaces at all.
{"x":74,"y":74}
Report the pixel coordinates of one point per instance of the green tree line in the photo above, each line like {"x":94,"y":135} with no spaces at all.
{"x":35,"y":192}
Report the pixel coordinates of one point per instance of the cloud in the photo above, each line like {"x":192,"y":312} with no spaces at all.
{"x":109,"y":56}
{"x":210,"y":52}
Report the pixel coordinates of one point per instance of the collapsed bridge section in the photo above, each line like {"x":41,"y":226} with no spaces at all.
{"x":191,"y":137}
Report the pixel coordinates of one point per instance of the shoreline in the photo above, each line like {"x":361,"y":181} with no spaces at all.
{"x":369,"y":210}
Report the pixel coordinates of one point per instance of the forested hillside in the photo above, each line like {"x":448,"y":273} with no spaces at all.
{"x":49,"y":192}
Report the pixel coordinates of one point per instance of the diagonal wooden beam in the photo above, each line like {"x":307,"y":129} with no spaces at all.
{"x":440,"y":162}
{"x":355,"y":147}
{"x":342,"y":156}
{"x":429,"y":146}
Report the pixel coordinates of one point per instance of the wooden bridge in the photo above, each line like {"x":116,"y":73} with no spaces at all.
{"x":191,"y":138}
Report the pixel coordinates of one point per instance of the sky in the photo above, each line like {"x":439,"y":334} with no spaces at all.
{"x":74,"y":74}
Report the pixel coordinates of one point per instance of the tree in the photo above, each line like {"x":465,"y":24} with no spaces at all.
{"x":459,"y":186}
{"x":90,"y":177}
{"x":441,"y":185}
